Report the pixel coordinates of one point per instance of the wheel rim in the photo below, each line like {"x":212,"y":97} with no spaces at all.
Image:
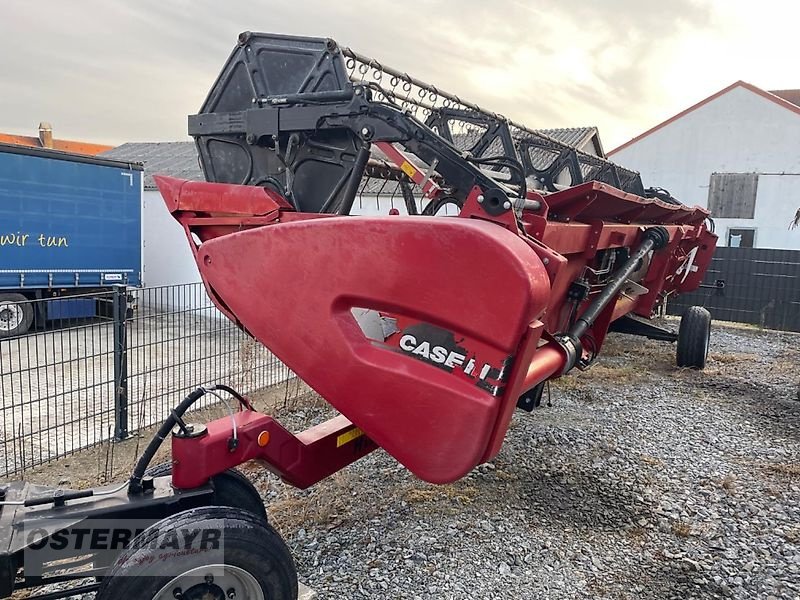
{"x":11,"y":316}
{"x":213,"y":582}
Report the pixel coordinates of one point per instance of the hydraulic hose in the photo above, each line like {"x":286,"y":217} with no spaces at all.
{"x":176,"y":418}
{"x":135,"y":483}
{"x":351,"y":187}
{"x":653,"y":238}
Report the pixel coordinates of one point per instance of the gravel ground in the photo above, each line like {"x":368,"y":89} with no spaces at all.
{"x":640,"y":481}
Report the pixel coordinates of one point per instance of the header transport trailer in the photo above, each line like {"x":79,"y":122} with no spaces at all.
{"x":425,"y":332}
{"x":70,"y":225}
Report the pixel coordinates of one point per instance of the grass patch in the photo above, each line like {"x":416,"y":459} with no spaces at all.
{"x":462,"y":494}
{"x":792,"y":535}
{"x":683,"y":529}
{"x":727,"y":483}
{"x":441,"y":497}
{"x":326,"y":503}
{"x":651,"y":460}
{"x":732,"y":357}
{"x":785,"y":469}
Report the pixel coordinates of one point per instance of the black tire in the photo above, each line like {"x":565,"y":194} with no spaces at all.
{"x":231,"y":488}
{"x":694,"y":336}
{"x":247,"y":545}
{"x":16,"y":315}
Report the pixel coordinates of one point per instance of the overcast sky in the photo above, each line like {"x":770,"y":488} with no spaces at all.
{"x":114,"y":71}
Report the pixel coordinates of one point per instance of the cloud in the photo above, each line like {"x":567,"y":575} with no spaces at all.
{"x":125,"y":71}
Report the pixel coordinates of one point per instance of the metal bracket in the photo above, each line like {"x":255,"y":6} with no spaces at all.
{"x":637,"y":326}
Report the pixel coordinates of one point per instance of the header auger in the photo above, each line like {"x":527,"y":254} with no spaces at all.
{"x":424,"y":331}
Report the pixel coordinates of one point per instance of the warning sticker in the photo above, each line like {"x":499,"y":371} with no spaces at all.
{"x":408,"y":169}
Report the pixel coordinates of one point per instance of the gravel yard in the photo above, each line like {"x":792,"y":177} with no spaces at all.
{"x":640,"y":481}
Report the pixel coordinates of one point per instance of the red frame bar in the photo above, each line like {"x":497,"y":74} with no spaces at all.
{"x":301,"y":460}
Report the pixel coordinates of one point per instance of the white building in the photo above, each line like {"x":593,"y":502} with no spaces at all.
{"x":737,"y":153}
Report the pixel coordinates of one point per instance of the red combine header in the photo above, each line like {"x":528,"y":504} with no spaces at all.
{"x":425,"y":332}
{"x":501,"y":260}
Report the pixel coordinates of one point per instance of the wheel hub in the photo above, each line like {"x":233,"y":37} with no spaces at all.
{"x":202,"y":591}
{"x":226,"y":583}
{"x":10,"y":316}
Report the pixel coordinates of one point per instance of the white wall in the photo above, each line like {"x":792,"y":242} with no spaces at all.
{"x":739,"y":132}
{"x":167,"y":259}
{"x":777,"y":201}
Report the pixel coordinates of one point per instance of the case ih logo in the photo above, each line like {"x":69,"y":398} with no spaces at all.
{"x":439,"y":348}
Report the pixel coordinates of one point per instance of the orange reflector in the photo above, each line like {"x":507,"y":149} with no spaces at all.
{"x":263,"y":438}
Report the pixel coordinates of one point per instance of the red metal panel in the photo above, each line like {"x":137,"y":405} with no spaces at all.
{"x":595,"y":200}
{"x":293,"y":287}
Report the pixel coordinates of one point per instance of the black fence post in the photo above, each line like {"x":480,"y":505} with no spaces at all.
{"x":120,"y":308}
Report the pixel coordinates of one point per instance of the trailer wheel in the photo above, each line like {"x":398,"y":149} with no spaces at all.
{"x":249,"y":562}
{"x":694,"y":336}
{"x":16,"y":315}
{"x":231,"y":488}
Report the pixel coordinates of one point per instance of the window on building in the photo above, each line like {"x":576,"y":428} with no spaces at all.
{"x":741,"y":238}
{"x":733,"y":195}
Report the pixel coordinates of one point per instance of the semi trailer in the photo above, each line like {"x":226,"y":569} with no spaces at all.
{"x":70,"y":226}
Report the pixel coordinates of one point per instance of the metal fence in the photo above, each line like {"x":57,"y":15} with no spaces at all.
{"x":762,"y":287}
{"x":75,"y":381}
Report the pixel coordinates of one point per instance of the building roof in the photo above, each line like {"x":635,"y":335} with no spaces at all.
{"x":577,"y":137}
{"x":46,"y":140}
{"x":771,"y":96}
{"x":792,"y":96}
{"x":175,"y":159}
{"x":75,"y":147}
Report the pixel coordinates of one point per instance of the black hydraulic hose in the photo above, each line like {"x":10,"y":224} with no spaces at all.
{"x":408,"y":197}
{"x":135,"y":483}
{"x":351,"y":188}
{"x":654,"y":238}
{"x":434,"y":206}
{"x":510,"y":164}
